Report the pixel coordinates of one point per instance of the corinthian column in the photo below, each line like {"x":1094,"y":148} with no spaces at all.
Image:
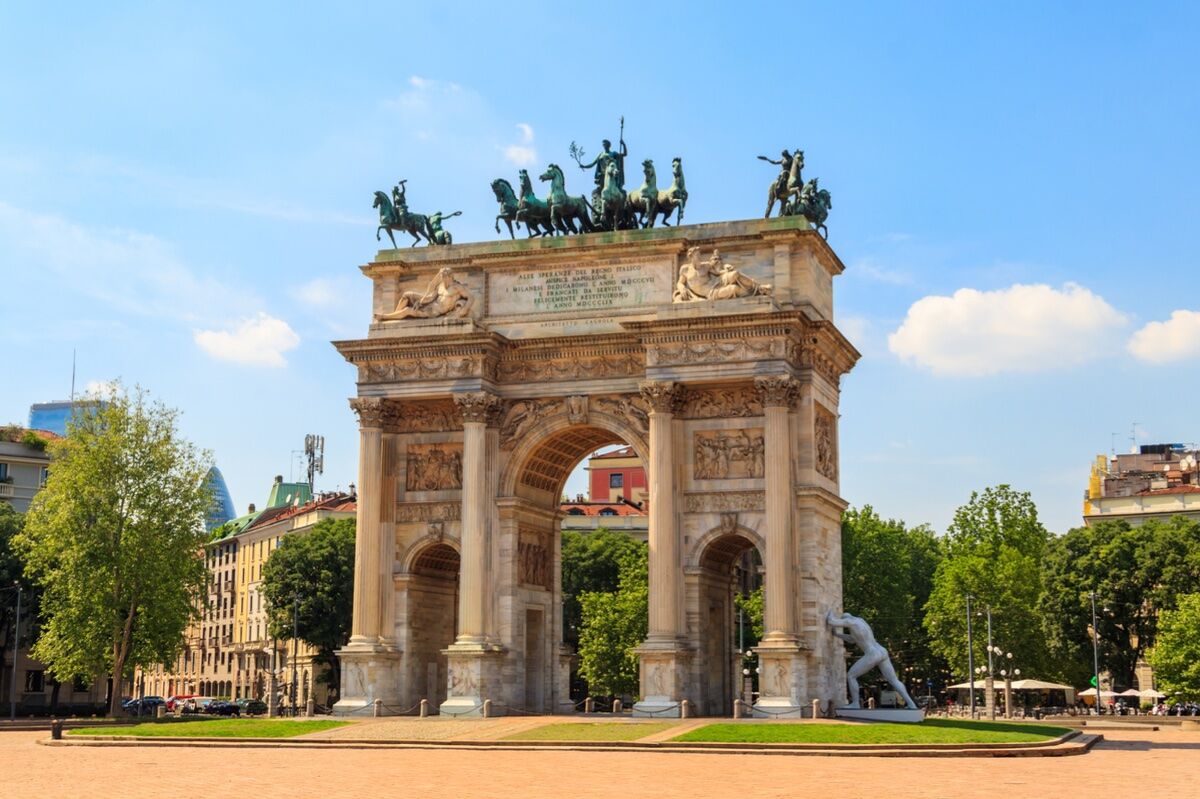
{"x":474,"y":408}
{"x":365,"y":622}
{"x":663,"y":399}
{"x":778,"y":393}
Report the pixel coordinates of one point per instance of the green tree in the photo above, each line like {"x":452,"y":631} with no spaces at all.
{"x":1176,"y":654}
{"x":993,"y":551}
{"x":1136,"y":573}
{"x":114,"y":541}
{"x":614,"y":624}
{"x":317,"y":569}
{"x":590,"y":562}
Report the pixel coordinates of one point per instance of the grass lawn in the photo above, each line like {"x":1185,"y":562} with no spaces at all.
{"x":222,"y":728}
{"x":930,"y":731}
{"x":595,"y":731}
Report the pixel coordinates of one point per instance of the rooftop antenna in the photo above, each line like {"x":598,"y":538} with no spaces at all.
{"x":1112,"y":443}
{"x":314,"y":451}
{"x":1133,"y":445}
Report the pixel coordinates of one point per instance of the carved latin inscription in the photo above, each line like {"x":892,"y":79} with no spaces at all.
{"x":728,"y":454}
{"x":434,"y":467}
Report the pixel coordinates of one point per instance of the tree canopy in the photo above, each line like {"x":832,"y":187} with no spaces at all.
{"x":114,"y":541}
{"x":1176,"y":654}
{"x":614,"y":624}
{"x":1136,"y":573}
{"x":316,"y":568}
{"x":993,"y":551}
{"x":590,"y":562}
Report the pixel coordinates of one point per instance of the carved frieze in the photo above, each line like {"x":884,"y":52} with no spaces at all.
{"x":723,"y":501}
{"x":434,"y":467}
{"x":825,"y":442}
{"x":533,"y":559}
{"x":420,"y":369}
{"x":520,"y":417}
{"x":422,"y":417}
{"x":684,"y":353}
{"x":713,"y":278}
{"x":428,"y":512}
{"x":632,"y":409}
{"x":728,"y":454}
{"x":721,"y":403}
{"x":573,"y":368}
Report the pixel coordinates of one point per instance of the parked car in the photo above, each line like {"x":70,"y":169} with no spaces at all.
{"x":145,"y":706}
{"x":252,"y":707}
{"x":220,"y":707}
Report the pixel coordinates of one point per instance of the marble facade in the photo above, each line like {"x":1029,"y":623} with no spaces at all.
{"x":471,"y":423}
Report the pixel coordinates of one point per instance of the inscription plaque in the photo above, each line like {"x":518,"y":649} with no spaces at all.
{"x":589,"y":288}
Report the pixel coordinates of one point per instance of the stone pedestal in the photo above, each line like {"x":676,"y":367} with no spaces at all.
{"x":368,"y":673}
{"x":562,"y":679}
{"x":781,"y":689}
{"x":663,"y":680}
{"x":473,"y":674}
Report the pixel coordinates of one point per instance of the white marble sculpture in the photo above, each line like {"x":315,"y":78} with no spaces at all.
{"x":444,"y":296}
{"x":858,"y":632}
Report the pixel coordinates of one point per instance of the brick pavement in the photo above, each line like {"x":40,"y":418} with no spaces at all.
{"x":1162,"y":764}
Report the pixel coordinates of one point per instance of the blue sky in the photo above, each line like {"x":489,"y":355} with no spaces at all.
{"x":185,"y":199}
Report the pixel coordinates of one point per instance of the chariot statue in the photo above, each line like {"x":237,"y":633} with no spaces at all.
{"x":394,"y":215}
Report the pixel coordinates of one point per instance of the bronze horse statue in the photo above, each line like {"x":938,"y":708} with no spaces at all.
{"x":674,"y":197}
{"x":566,"y":210}
{"x":531,"y":211}
{"x":416,"y":225}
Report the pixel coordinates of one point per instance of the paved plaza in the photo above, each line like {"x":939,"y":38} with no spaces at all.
{"x":1129,"y":762}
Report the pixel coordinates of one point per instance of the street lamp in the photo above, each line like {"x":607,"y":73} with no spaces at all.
{"x":970,"y":658}
{"x":1095,"y":652}
{"x":12,"y":691}
{"x":295,"y":645}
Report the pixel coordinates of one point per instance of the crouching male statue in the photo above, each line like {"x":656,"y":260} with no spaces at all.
{"x":859,"y":632}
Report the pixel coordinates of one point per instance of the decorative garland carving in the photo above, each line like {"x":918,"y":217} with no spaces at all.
{"x":716,"y":351}
{"x":723,"y":501}
{"x":420,"y":369}
{"x":825,"y":440}
{"x":574,"y":368}
{"x":721,"y":403}
{"x":434,"y":467}
{"x":778,"y":391}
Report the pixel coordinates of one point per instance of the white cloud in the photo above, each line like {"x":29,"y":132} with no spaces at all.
{"x":872,"y":270}
{"x":258,"y":341}
{"x":125,"y":270}
{"x":1024,"y":328}
{"x":318,"y":293}
{"x":524,"y":153}
{"x":1176,"y":339}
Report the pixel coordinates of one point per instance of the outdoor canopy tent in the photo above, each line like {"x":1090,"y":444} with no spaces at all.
{"x":1090,"y":692}
{"x":1019,"y":685}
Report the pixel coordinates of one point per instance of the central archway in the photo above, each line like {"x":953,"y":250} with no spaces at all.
{"x":530,"y":521}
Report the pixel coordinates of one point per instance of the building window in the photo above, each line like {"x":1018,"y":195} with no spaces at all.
{"x":607,"y":512}
{"x":80,"y":685}
{"x":616,"y":480}
{"x":3,"y":472}
{"x":576,"y":512}
{"x":45,"y":476}
{"x":35,"y":681}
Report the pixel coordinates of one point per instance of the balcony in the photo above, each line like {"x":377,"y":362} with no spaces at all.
{"x":7,"y":490}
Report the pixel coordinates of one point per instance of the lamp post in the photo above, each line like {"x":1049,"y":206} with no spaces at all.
{"x":12,"y":691}
{"x":295,"y":645}
{"x":991,"y":683}
{"x":970,"y":658}
{"x":1095,"y":652}
{"x":1008,"y":674}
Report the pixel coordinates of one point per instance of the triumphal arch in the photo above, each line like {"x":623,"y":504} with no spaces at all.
{"x":491,"y":370}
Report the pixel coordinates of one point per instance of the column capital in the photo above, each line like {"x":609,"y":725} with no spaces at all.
{"x":477,"y":406}
{"x":778,"y":391}
{"x":370,"y":411}
{"x":662,"y":396}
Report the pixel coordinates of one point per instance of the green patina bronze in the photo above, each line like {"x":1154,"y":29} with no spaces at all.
{"x":531,"y":211}
{"x":566,"y":210}
{"x":394,"y":215}
{"x":795,"y":196}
